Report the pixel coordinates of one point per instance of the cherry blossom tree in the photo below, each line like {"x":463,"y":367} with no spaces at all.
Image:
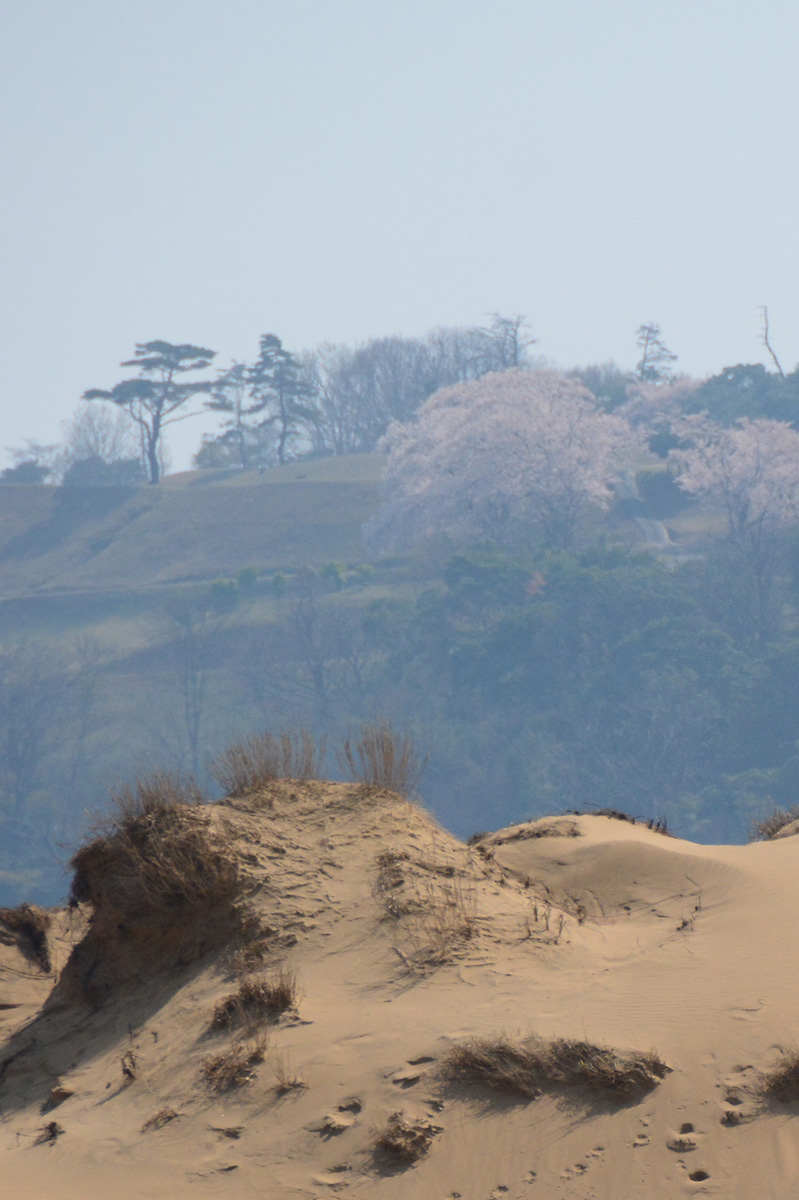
{"x":750,"y":470}
{"x":654,"y":409}
{"x":515,"y":451}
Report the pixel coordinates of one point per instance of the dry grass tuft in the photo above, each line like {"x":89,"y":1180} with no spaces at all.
{"x":525,"y":1068}
{"x":404,"y":1142}
{"x":150,"y":793}
{"x":545,"y":827}
{"x":234,"y":1068}
{"x":287,"y":1079}
{"x":26,"y":927}
{"x":772,"y":825}
{"x":390,"y":880}
{"x":258,"y":999}
{"x":432,"y":907}
{"x":656,"y":824}
{"x":264,"y":757}
{"x":623,"y":1074}
{"x":496,"y":1063}
{"x":383,"y":758}
{"x":163,"y":1117}
{"x":250,"y":957}
{"x":782,"y":1081}
{"x":157,"y":864}
{"x":447,"y":920}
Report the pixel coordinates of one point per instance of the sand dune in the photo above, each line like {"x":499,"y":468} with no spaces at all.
{"x":406,"y":943}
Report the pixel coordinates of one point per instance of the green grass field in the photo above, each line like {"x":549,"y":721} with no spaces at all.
{"x":195,"y":527}
{"x":102,"y":560}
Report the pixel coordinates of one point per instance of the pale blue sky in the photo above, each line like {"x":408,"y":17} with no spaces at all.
{"x":338,"y":169}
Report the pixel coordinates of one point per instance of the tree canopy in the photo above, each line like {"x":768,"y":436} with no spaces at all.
{"x":518,"y":450}
{"x":153,"y":398}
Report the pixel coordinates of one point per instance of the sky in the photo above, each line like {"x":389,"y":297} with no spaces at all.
{"x":206,"y":171}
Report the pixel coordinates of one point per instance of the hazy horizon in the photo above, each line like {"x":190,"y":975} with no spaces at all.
{"x":334,"y":173}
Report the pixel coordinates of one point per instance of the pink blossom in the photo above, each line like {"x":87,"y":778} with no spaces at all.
{"x":517,"y":448}
{"x":751,"y":469}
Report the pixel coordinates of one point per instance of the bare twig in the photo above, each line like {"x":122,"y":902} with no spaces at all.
{"x":767,"y":343}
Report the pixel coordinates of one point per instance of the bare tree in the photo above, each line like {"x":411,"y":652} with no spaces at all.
{"x":767,"y":343}
{"x":506,"y":342}
{"x":97,"y":433}
{"x":194,"y":626}
{"x":358,"y":392}
{"x":100,"y":447}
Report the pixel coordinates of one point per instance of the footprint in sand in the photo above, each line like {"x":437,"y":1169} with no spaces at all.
{"x":683,"y":1141}
{"x":734,"y":1114}
{"x":682,"y":1145}
{"x":640,"y":1139}
{"x":413,"y":1072}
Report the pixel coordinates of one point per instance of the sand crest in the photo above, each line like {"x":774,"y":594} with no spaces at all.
{"x":396,"y":944}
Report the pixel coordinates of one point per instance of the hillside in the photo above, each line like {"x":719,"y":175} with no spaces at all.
{"x":406,"y":944}
{"x":196,"y":526}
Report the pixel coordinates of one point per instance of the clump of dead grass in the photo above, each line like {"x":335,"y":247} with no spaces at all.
{"x":382,"y":757}
{"x":258,"y":998}
{"x":26,"y":927}
{"x":448,"y":919}
{"x":434,"y":923}
{"x":656,"y":824}
{"x":234,"y":1067}
{"x":431,"y":905}
{"x":782,"y":1081}
{"x":529,"y":1066}
{"x":496,"y":1063}
{"x":157,"y":863}
{"x":264,"y":757}
{"x":163,"y":1117}
{"x":403,"y":1141}
{"x":251,"y":955}
{"x":390,"y":883}
{"x":151,"y":793}
{"x":771,"y":826}
{"x":287,"y":1079}
{"x":623,"y":1074}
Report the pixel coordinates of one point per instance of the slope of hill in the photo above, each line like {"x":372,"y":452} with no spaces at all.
{"x":195,"y":527}
{"x":405,"y":944}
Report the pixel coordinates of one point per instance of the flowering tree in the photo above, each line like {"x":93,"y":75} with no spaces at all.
{"x":750,"y":468}
{"x":516,"y":449}
{"x":751,"y":471}
{"x":655,"y":408}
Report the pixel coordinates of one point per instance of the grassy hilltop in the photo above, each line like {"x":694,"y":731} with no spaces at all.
{"x":196,"y":526}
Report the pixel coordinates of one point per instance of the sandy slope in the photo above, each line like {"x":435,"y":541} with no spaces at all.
{"x":601,"y":929}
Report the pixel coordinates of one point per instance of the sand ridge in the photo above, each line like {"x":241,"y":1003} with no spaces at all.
{"x":405,"y":941}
